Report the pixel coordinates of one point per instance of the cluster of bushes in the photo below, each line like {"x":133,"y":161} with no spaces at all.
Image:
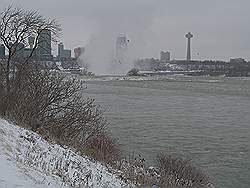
{"x":52,"y":104}
{"x":170,"y":171}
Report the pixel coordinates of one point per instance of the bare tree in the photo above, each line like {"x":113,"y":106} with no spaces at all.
{"x":16,"y":26}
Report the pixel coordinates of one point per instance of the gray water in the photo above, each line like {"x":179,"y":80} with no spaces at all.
{"x":205,"y":119}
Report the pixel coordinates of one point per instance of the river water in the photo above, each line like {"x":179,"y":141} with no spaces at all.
{"x":206,"y":119}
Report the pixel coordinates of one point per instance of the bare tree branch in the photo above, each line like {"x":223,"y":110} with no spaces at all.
{"x":16,"y":26}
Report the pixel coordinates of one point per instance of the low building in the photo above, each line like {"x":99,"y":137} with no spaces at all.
{"x":66,"y":54}
{"x":63,"y":53}
{"x":165,"y":56}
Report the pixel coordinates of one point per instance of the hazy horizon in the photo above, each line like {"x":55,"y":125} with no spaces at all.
{"x":219,"y":26}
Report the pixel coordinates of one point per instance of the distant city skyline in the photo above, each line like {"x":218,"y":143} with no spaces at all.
{"x":220,"y":27}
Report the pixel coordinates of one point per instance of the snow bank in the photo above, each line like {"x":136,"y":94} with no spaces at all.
{"x":27,"y":160}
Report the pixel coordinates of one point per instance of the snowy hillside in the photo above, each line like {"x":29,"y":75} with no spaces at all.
{"x":26,"y":160}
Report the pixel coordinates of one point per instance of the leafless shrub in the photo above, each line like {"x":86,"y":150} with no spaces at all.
{"x":103,"y":147}
{"x":133,"y":169}
{"x":179,"y":173}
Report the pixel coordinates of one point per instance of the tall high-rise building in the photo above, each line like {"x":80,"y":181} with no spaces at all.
{"x":44,"y":44}
{"x":19,"y":50}
{"x":27,"y":52}
{"x":2,"y":51}
{"x":121,"y":48}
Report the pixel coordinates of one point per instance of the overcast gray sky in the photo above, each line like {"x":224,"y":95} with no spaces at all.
{"x":221,"y":28}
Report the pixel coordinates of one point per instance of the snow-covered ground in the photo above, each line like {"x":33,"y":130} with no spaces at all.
{"x":28,"y":161}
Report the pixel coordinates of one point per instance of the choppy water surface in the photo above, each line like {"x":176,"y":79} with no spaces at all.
{"x":206,"y":119}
